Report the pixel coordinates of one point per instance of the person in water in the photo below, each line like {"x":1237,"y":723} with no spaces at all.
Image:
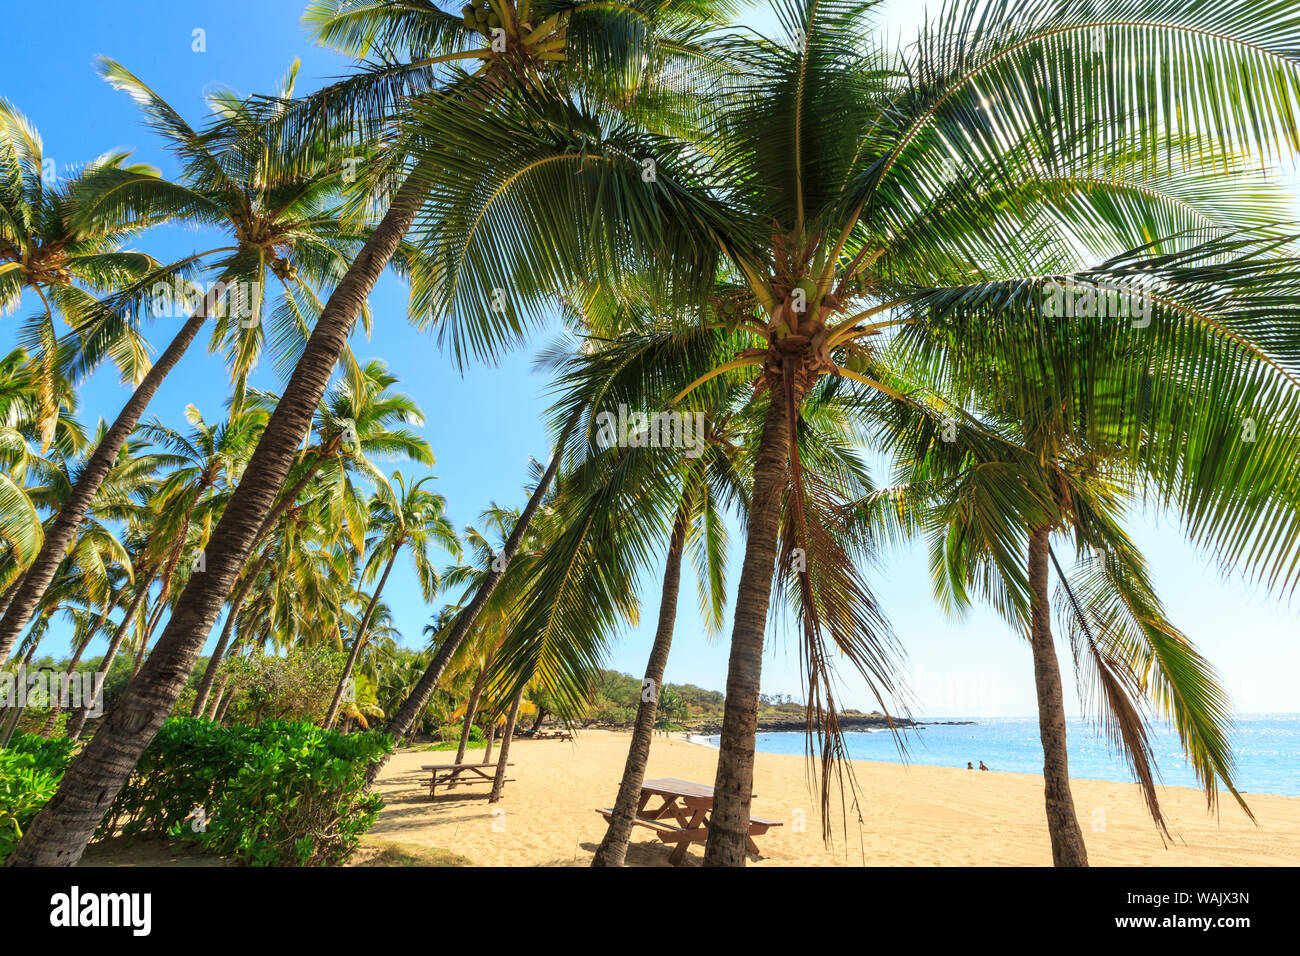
{"x":968,"y":765}
{"x":982,"y":767}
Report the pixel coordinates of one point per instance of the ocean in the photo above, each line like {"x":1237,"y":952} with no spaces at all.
{"x":1266,"y":746}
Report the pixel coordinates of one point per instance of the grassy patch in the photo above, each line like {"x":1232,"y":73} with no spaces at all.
{"x":383,"y":853}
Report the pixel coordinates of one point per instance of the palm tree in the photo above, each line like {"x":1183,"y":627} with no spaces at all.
{"x":61,"y":238}
{"x":275,"y":208}
{"x":411,"y":518}
{"x":590,"y":53}
{"x":1036,"y":454}
{"x":478,"y":646}
{"x":705,"y":476}
{"x":867,"y":192}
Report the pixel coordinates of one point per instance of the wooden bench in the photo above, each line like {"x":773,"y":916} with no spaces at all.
{"x":448,"y":774}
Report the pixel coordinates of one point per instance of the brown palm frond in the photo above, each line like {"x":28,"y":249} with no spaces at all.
{"x":819,"y":576}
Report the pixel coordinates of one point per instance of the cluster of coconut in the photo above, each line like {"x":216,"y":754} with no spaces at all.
{"x":480,"y":17}
{"x":53,"y":273}
{"x":284,"y":269}
{"x":798,"y":324}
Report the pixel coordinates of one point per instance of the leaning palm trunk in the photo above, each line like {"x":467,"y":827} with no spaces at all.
{"x":15,"y":709}
{"x":357,"y":644}
{"x":78,"y":720}
{"x":416,"y":701}
{"x":499,"y":780}
{"x":1062,"y":823}
{"x":613,"y":848}
{"x":168,"y":574}
{"x":219,"y":711}
{"x":59,"y":535}
{"x":218,"y":699}
{"x":149,"y":626}
{"x":491,"y":739}
{"x":227,"y":630}
{"x":733,"y":786}
{"x":471,"y":708}
{"x":59,"y":833}
{"x":56,"y":705}
{"x":250,"y":578}
{"x":10,"y":591}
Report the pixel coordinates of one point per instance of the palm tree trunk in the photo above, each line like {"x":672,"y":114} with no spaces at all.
{"x":149,"y":626}
{"x":168,"y":575}
{"x":10,"y":591}
{"x":733,"y":786}
{"x":537,"y":723}
{"x":228,"y":629}
{"x":223,"y":703}
{"x":58,"y":835}
{"x":499,"y":781}
{"x":491,"y":737}
{"x":362,"y":628}
{"x":217,"y":699}
{"x":78,"y":720}
{"x":416,"y":701}
{"x":57,"y":704}
{"x":16,"y":709}
{"x":286,"y":501}
{"x":471,"y":708}
{"x":613,"y":848}
{"x":59,"y":534}
{"x":1062,"y":823}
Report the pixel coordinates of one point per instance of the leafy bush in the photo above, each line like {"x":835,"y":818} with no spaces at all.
{"x":30,"y":770}
{"x":279,"y":794}
{"x":298,"y":686}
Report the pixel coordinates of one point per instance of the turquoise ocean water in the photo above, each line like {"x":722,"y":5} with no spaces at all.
{"x":1266,"y":746}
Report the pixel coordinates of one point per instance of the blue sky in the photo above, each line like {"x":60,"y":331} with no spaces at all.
{"x":484,"y":424}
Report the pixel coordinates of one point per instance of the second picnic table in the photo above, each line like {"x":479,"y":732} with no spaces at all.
{"x":449,"y":774}
{"x":689,"y":805}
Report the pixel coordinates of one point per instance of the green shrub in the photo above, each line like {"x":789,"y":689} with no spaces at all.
{"x":30,"y":770}
{"x":278,"y":794}
{"x":297,"y":686}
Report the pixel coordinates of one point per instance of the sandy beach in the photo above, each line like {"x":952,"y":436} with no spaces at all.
{"x":911,"y":816}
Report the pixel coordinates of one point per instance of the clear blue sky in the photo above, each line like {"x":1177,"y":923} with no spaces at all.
{"x":485,"y":424}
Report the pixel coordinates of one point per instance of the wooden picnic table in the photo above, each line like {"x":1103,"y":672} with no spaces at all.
{"x":449,"y":774}
{"x":688,"y":805}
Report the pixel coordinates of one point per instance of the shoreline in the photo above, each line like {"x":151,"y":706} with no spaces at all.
{"x":701,"y":740}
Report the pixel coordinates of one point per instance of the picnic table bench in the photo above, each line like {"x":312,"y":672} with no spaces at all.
{"x":449,"y":774}
{"x":683,"y":815}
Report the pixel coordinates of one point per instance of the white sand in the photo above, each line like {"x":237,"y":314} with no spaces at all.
{"x":911,"y":816}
